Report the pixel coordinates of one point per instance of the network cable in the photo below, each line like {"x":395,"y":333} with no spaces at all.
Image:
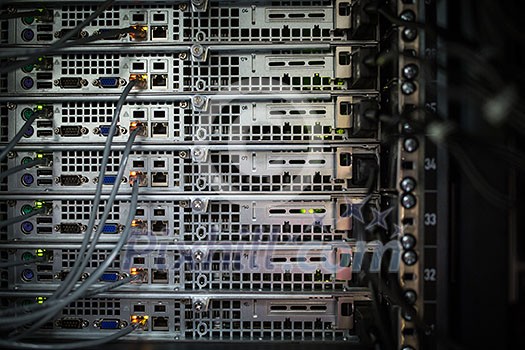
{"x":63,"y":41}
{"x":19,"y":135}
{"x":105,"y":159}
{"x":21,"y":167}
{"x":112,"y":286}
{"x":49,"y":309}
{"x":20,"y":218}
{"x":91,"y":293}
{"x":5,"y":265}
{"x":42,"y":12}
{"x":98,"y":192}
{"x":15,"y":52}
{"x":78,"y":271}
{"x":75,"y":345}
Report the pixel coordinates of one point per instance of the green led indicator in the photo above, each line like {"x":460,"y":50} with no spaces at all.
{"x":26,"y":209}
{"x":27,"y":256}
{"x":40,"y":252}
{"x":303,"y":211}
{"x":27,"y":113}
{"x":40,"y":300}
{"x":340,"y":131}
{"x":39,"y":204}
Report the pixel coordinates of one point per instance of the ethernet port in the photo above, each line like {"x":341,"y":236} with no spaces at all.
{"x":159,"y":276}
{"x":159,"y":179}
{"x":159,"y":80}
{"x":159,"y":130}
{"x":159,"y":32}
{"x":159,"y":324}
{"x":159,"y":227}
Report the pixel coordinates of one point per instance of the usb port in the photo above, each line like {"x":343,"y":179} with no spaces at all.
{"x":44,"y":133}
{"x":139,"y":260}
{"x":44,"y":85}
{"x":44,"y":220}
{"x":138,"y":164}
{"x":44,"y":172}
{"x":44,"y":37}
{"x":44,"y":27}
{"x":44,"y":76}
{"x":44,"y":182}
{"x":44,"y":124}
{"x":44,"y":277}
{"x":44,"y":230}
{"x":44,"y":268}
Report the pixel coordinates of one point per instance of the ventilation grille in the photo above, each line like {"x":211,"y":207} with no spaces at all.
{"x":223,"y":123}
{"x":223,"y":24}
{"x":93,"y":307}
{"x":222,"y":223}
{"x":4,"y":32}
{"x":90,"y":64}
{"x":3,"y":182}
{"x":4,"y":123}
{"x":3,"y":80}
{"x":72,"y":16}
{"x":217,"y":74}
{"x":222,"y":272}
{"x":302,"y":3}
{"x":214,"y":175}
{"x":80,"y":210}
{"x":221,"y":73}
{"x":88,"y":161}
{"x":4,"y":274}
{"x":70,"y":256}
{"x":88,"y":112}
{"x":225,"y":321}
{"x":222,"y":173}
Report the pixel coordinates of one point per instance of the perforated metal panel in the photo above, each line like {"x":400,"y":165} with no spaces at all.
{"x":230,"y":120}
{"x":257,"y":157}
{"x":201,"y":169}
{"x":273,"y":71}
{"x":229,"y":21}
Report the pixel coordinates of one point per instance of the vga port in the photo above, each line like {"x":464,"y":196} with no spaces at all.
{"x":110,"y":82}
{"x":115,"y":36}
{"x":110,"y":277}
{"x":70,"y":83}
{"x":109,"y":180}
{"x":71,"y":180}
{"x":103,"y":130}
{"x":70,"y":228}
{"x":109,"y":324}
{"x":71,"y":131}
{"x":110,"y":228}
{"x":71,"y":323}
